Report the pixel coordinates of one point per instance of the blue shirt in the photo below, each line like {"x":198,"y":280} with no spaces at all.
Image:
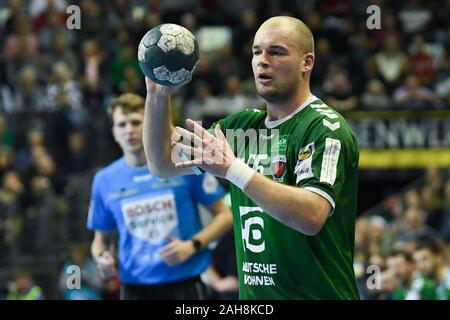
{"x":145,"y":210}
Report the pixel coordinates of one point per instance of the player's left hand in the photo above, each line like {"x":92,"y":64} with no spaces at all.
{"x":177,"y":251}
{"x":211,"y":153}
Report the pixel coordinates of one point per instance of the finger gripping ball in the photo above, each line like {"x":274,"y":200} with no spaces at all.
{"x":168,"y":54}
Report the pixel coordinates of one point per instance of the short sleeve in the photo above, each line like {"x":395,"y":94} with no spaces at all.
{"x":322,"y":161}
{"x":99,"y":217}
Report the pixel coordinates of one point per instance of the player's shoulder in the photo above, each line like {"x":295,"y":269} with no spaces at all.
{"x":322,"y":118}
{"x":243,"y":118}
{"x":110,"y":170}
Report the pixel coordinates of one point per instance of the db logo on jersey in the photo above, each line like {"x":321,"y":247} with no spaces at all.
{"x":252,"y":230}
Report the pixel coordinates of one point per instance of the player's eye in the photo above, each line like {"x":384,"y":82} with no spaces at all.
{"x":121,"y":124}
{"x":256,"y":52}
{"x":136,"y":123}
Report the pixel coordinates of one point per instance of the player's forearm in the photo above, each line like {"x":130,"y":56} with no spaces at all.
{"x":98,"y":246}
{"x":219,"y":224}
{"x":157,"y":132}
{"x":297,"y":208}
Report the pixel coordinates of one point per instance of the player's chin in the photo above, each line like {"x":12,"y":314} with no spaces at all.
{"x":265,"y":91}
{"x":135,"y":148}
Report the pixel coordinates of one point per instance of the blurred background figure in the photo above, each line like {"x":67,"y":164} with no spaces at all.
{"x":24,"y":287}
{"x":90,"y":283}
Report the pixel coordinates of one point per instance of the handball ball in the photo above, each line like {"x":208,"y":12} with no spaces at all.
{"x":168,"y":54}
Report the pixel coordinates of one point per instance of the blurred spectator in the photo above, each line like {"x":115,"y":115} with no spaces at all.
{"x":6,"y":134}
{"x":401,"y":264}
{"x":206,"y":72}
{"x":29,"y":93}
{"x":432,"y":196}
{"x":413,"y":95}
{"x":11,"y":215}
{"x":125,"y":71}
{"x":24,"y":287}
{"x":79,"y":159}
{"x":22,"y":35}
{"x":391,"y":62}
{"x":445,"y":222}
{"x":63,"y":91}
{"x":93,"y":66}
{"x":412,"y":220}
{"x":16,"y":10}
{"x":44,"y":213}
{"x":118,"y":13}
{"x":227,"y":64}
{"x":6,"y":160}
{"x":431,"y":267}
{"x":201,"y":100}
{"x":20,"y":50}
{"x":90,"y":282}
{"x":412,"y":199}
{"x":414,"y":16}
{"x":34,"y":139}
{"x":442,"y":83}
{"x":49,"y":24}
{"x":93,"y":22}
{"x":244,"y":31}
{"x":375,"y":96}
{"x":389,"y":29}
{"x":338,"y":91}
{"x":232,"y":100}
{"x":324,"y":58}
{"x":421,"y":61}
{"x":38,"y":7}
{"x":60,"y":50}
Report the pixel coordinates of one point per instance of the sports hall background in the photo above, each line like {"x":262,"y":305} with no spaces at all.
{"x":392,"y":84}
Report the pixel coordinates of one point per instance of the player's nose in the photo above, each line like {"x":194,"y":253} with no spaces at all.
{"x":262,"y":61}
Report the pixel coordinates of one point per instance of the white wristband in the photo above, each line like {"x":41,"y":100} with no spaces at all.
{"x":239,"y":174}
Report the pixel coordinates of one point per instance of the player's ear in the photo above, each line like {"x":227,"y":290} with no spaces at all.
{"x":307,"y":62}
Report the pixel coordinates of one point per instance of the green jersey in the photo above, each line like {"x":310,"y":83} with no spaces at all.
{"x":313,"y":148}
{"x":422,"y":288}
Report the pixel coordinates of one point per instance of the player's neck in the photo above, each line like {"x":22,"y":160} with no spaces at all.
{"x":279,"y":110}
{"x":135,"y":160}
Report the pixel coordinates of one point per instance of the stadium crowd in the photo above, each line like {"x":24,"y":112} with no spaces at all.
{"x":56,"y":83}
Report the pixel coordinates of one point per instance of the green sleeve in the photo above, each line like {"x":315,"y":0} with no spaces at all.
{"x":323,"y":159}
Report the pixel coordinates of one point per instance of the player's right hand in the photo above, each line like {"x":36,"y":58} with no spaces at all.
{"x":154,"y":89}
{"x":106,"y":265}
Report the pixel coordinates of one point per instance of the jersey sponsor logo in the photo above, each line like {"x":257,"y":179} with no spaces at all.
{"x":279,"y":164}
{"x":210,"y":184}
{"x":330,"y":160}
{"x":303,"y":167}
{"x":252,"y":229}
{"x":279,"y":159}
{"x":259,"y":274}
{"x":151,"y":218}
{"x":305,"y":153}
